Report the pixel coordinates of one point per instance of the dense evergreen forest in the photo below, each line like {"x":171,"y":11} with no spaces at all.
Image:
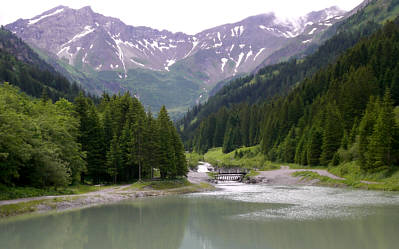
{"x":269,"y":82}
{"x":55,"y":144}
{"x":343,"y":112}
{"x":22,"y":67}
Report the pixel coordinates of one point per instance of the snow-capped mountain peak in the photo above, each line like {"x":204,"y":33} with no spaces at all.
{"x":90,"y":41}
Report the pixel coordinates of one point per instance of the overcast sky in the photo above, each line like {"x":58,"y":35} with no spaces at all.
{"x":188,"y":16}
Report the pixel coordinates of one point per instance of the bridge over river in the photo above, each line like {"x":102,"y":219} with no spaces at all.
{"x":230,"y":175}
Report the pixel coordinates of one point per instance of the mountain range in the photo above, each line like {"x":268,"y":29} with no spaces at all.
{"x":160,"y":67}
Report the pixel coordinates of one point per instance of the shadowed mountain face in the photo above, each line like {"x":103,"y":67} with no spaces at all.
{"x":103,"y":53}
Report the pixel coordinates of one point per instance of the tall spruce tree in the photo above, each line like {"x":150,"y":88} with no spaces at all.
{"x":380,"y":148}
{"x":314,"y":147}
{"x":332,"y":135}
{"x":366,"y":127}
{"x":114,"y":159}
{"x":166,"y":165}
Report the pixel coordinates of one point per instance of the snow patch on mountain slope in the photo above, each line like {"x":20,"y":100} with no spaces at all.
{"x":224,"y":61}
{"x":249,"y":54}
{"x":33,"y":21}
{"x":84,"y":58}
{"x":237,"y":31}
{"x":257,"y":54}
{"x":64,"y":52}
{"x":119,"y":51}
{"x":137,"y":63}
{"x":195,"y":43}
{"x":218,"y":45}
{"x":266,"y":28}
{"x":169,"y":63}
{"x":87,"y":30}
{"x":312,"y":31}
{"x":239,"y":61}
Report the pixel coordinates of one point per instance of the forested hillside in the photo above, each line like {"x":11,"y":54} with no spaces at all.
{"x":21,"y":66}
{"x":268,"y":83}
{"x":343,"y":112}
{"x":276,"y":80}
{"x":271,"y":81}
{"x":46,"y":144}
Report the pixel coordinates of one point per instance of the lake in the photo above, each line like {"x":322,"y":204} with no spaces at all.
{"x":238,"y":216}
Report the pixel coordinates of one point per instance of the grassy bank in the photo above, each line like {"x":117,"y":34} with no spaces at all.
{"x":10,"y":193}
{"x":160,"y":185}
{"x":30,"y":206}
{"x":356,"y":178}
{"x":248,"y":157}
{"x":173,"y":186}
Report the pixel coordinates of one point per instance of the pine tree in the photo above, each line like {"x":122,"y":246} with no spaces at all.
{"x":180,"y":158}
{"x":314,"y":147}
{"x":96,"y":152}
{"x":114,"y":159}
{"x":289,"y":146}
{"x":166,"y":164}
{"x":220,"y":127}
{"x":108,"y":127}
{"x":151,"y":146}
{"x":125,"y":141}
{"x":395,"y":86}
{"x":138,"y":139}
{"x":365,"y":130}
{"x":332,"y":135}
{"x":379,"y":154}
{"x":232,"y":137}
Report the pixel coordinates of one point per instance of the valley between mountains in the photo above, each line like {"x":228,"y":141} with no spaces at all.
{"x":160,"y":67}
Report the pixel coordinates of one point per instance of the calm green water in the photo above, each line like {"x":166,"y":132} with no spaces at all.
{"x":238,"y":216}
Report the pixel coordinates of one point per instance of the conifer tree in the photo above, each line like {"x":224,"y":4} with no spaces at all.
{"x":165,"y":144}
{"x":108,"y":127}
{"x":289,"y":146}
{"x":180,"y":158}
{"x":332,"y":135}
{"x":314,"y":147}
{"x":380,"y":148}
{"x":95,"y":147}
{"x":232,"y":137}
{"x":125,"y":142}
{"x":151,"y":149}
{"x":220,"y":127}
{"x":138,"y":139}
{"x":366,"y":127}
{"x":114,"y":159}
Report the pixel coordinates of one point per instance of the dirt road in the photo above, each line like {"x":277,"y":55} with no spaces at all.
{"x":283,"y":176}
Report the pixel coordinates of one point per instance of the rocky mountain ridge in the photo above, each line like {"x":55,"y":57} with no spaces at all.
{"x":161,"y":67}
{"x":89,"y":40}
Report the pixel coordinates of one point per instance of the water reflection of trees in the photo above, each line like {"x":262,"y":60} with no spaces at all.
{"x":152,"y":224}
